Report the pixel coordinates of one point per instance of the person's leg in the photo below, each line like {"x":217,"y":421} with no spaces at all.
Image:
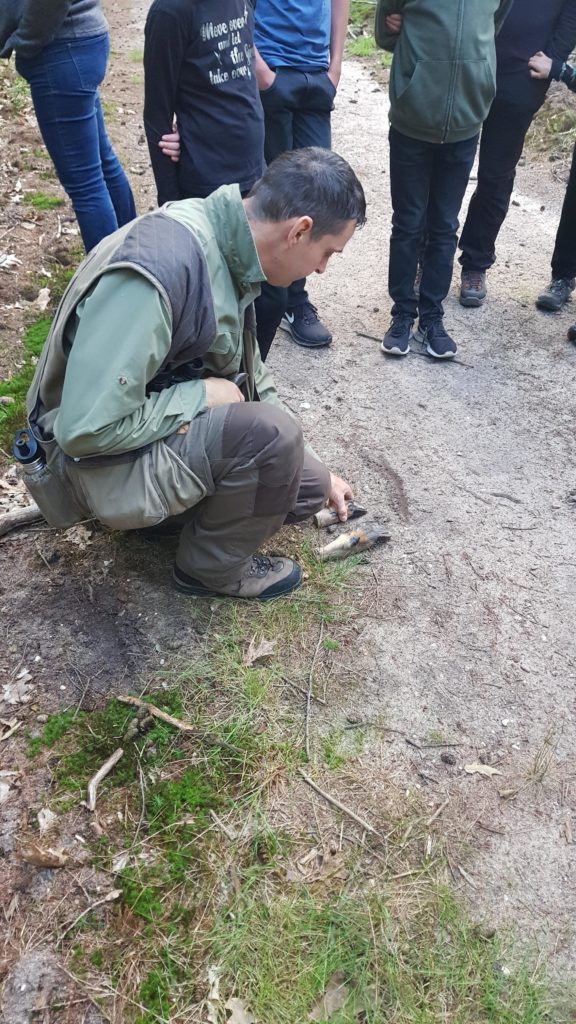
{"x":255,"y":456}
{"x":64,"y":80}
{"x":310,"y":127}
{"x":558,"y":292}
{"x":451,"y":171}
{"x":564,"y":255}
{"x":515,"y":104}
{"x":410,"y":173}
{"x":270,"y":307}
{"x":114,"y":176}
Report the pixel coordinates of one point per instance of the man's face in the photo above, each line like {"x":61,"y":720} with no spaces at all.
{"x":303,"y":255}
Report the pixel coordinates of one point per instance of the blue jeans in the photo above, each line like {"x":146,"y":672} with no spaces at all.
{"x":64,"y":80}
{"x":427,"y":181}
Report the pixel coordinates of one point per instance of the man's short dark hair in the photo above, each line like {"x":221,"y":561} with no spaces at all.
{"x":311,"y":182}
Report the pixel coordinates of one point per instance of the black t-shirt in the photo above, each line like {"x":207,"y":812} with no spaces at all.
{"x":199,"y":66}
{"x":533,"y":25}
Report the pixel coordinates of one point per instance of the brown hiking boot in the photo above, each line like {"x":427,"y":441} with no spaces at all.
{"x":266,"y":578}
{"x":472,"y":288}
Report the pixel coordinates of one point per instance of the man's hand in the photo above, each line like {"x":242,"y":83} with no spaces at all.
{"x":340,"y":493}
{"x":334,"y":72}
{"x":393,"y":23}
{"x":220,"y":391}
{"x":265,"y":77}
{"x":540,"y":65}
{"x":170,"y":145}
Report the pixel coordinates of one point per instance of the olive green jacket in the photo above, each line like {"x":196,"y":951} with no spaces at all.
{"x":443,"y":75}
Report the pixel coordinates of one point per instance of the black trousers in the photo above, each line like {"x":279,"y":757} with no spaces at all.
{"x":518,"y":98}
{"x":427,"y":181}
{"x":564,"y":255}
{"x":297,"y":109}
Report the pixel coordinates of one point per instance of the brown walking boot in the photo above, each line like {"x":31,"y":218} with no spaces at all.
{"x":266,"y":578}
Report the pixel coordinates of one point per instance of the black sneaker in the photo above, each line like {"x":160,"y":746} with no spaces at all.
{"x":266,"y":578}
{"x":438,"y":342}
{"x":556,"y":294}
{"x":397,"y":338}
{"x":305,"y":326}
{"x":472,"y":288}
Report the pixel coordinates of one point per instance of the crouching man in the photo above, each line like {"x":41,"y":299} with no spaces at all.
{"x":134,"y":404}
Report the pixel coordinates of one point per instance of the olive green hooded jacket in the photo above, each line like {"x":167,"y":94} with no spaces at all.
{"x":443,"y":75}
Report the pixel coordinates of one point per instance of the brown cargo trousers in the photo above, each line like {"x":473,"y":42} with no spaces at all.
{"x":250,"y":457}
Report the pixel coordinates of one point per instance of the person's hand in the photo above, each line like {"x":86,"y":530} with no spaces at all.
{"x":334,"y":72}
{"x":340,"y":493}
{"x":393,"y":23}
{"x":265,"y":77}
{"x":540,"y":65}
{"x":220,"y":391}
{"x":170,"y":145}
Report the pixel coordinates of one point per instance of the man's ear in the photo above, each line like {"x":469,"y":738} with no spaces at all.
{"x":300,"y":230}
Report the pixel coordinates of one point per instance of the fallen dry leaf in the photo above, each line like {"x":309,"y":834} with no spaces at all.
{"x":4,"y":791}
{"x":239,"y":1014}
{"x":213,"y":1001}
{"x":42,"y":299}
{"x":481,"y":769}
{"x":44,"y":856}
{"x":256,"y":651}
{"x":46,"y":820}
{"x":334,"y":997}
{"x":79,"y":535}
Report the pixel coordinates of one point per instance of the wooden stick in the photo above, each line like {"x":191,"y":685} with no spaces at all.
{"x":341,"y":807}
{"x":20,"y":517}
{"x":207,"y":738}
{"x":438,"y":811}
{"x":101,"y":774}
{"x":309,"y":694}
{"x":113,"y":895}
{"x":11,"y":731}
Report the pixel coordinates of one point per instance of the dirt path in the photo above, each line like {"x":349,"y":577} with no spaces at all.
{"x":469,"y":637}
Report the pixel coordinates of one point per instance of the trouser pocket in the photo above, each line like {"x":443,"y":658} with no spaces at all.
{"x":54,"y":497}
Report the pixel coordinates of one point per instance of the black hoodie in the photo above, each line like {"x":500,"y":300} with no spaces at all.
{"x":533,"y":25}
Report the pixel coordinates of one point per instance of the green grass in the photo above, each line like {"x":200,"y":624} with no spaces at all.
{"x":41,"y":201}
{"x":207,"y":876}
{"x":136,"y":56}
{"x":13,"y":415}
{"x":279,"y":949}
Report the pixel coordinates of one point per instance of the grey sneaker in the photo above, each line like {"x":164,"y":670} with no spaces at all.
{"x":472,"y":288}
{"x":397,"y":338}
{"x":266,"y":578}
{"x":556,"y":294}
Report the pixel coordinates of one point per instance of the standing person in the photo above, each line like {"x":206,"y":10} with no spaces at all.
{"x":61,"y":50}
{"x":134,"y":405}
{"x":564,"y":256}
{"x":531,"y":26}
{"x":299,"y":49}
{"x":198,"y":71}
{"x":442,"y":83}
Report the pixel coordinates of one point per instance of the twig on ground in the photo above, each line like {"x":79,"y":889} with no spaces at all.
{"x":101,"y":774}
{"x":438,"y":812}
{"x":301,"y":690}
{"x":466,"y":876}
{"x":309,"y":693}
{"x":84,"y":984}
{"x":113,"y":895}
{"x":143,"y":797}
{"x":12,"y":728}
{"x":20,"y":517}
{"x":223,"y":828}
{"x":211,"y":741}
{"x":341,"y":807}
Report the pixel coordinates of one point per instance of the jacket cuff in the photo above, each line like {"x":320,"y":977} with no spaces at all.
{"x":556,"y":70}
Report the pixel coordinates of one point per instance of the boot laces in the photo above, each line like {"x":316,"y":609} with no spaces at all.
{"x":473,"y":279}
{"x":261,"y":565}
{"x":399,"y":325}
